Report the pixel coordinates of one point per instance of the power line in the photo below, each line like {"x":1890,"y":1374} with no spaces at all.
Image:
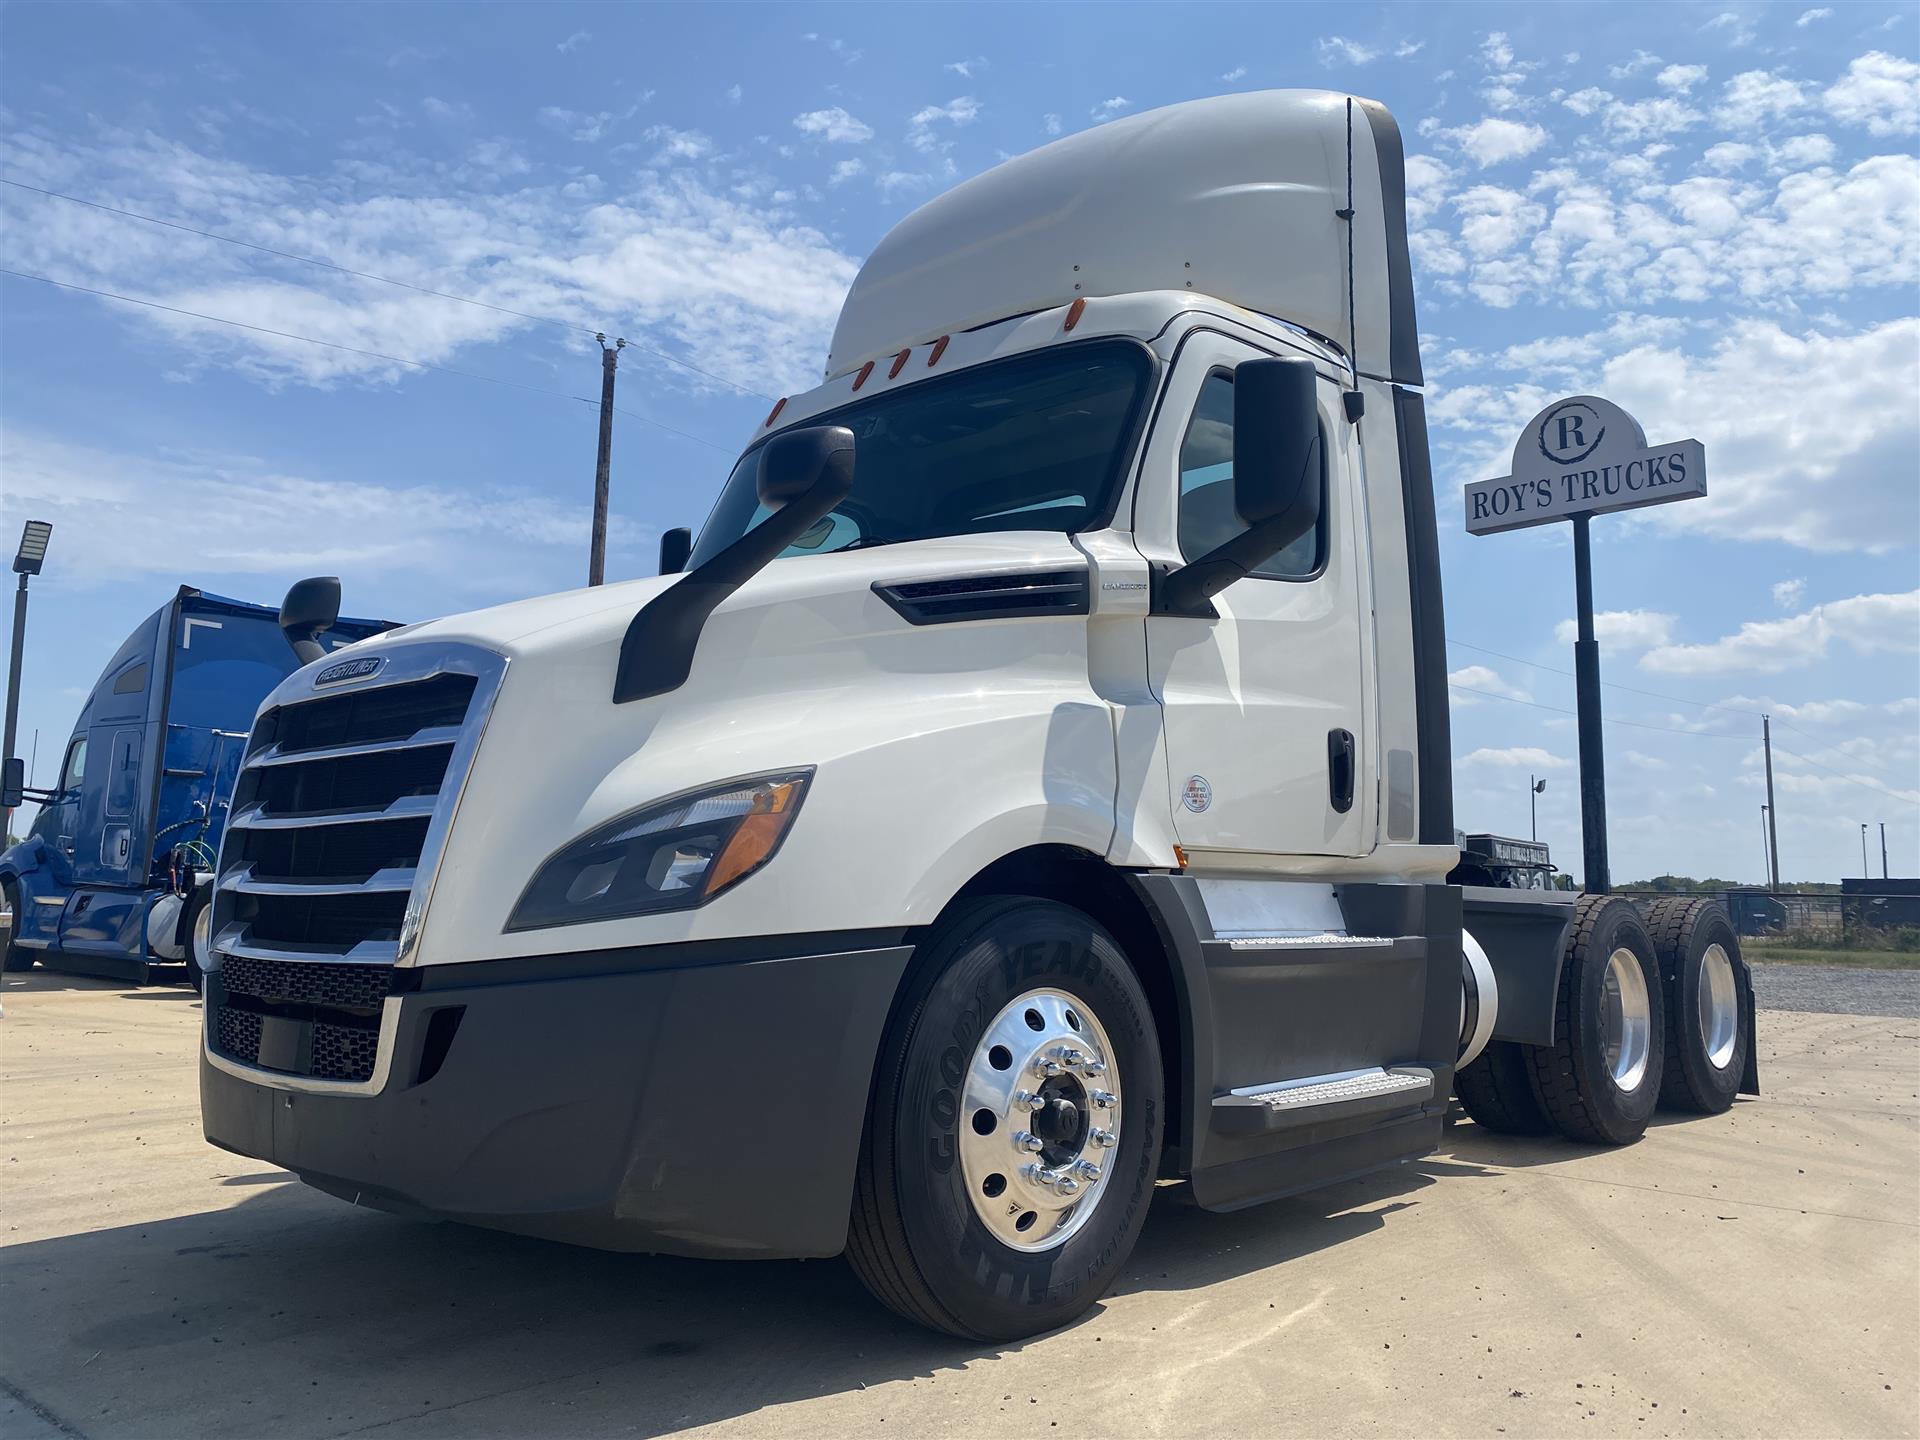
{"x":1842,"y":775}
{"x":381,"y":279}
{"x":354,"y":350}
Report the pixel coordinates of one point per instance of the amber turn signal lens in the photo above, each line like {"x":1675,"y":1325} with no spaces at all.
{"x":756,"y":836}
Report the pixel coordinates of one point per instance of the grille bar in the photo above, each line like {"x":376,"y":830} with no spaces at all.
{"x":393,"y":879}
{"x":420,"y":740}
{"x":256,"y":817}
{"x":238,"y":940}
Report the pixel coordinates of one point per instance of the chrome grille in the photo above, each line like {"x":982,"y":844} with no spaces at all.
{"x":337,"y":821}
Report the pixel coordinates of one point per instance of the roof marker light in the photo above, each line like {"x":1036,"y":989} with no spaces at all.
{"x":774,"y":413}
{"x":939,"y":349}
{"x":899,"y":362}
{"x":861,"y":378}
{"x":1074,"y":312}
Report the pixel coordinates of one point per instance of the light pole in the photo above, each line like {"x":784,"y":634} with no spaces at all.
{"x":1883,"y":849}
{"x":1534,"y":787}
{"x":1865,"y":873}
{"x":1766,"y":854}
{"x":27,"y":561}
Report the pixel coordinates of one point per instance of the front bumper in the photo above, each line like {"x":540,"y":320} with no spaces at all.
{"x":683,"y":1105}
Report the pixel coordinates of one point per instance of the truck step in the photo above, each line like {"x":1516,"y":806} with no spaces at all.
{"x":1320,"y":1098}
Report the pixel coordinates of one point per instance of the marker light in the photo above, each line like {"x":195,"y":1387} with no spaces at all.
{"x":673,"y":855}
{"x":939,"y":349}
{"x":899,"y":362}
{"x":861,"y":378}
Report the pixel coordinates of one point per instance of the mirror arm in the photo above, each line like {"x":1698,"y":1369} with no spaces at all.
{"x":657,"y":654}
{"x":1189,"y":590}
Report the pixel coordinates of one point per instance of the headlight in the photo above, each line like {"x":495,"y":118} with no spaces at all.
{"x":672,"y":855}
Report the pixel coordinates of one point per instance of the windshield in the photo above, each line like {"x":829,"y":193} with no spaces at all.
{"x":1038,"y":442}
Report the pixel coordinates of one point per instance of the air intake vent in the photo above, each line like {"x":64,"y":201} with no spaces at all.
{"x":989,"y":597}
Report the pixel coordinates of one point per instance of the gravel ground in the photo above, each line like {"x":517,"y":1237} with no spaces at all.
{"x":1832,"y":990}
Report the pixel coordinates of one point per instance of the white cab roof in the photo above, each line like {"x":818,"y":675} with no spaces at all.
{"x":1235,"y":197}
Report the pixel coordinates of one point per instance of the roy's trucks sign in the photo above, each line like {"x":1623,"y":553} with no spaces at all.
{"x":1584,"y":456}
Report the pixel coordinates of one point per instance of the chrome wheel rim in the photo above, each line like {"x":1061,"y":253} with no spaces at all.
{"x":1039,"y":1122}
{"x":1626,"y":1019}
{"x":201,"y":953}
{"x":1719,"y":1007}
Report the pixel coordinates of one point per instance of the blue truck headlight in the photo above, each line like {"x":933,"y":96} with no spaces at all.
{"x":672,"y":855}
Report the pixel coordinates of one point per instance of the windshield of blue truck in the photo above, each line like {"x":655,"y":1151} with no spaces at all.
{"x":1038,"y":442}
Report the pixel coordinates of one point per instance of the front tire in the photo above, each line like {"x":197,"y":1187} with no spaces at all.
{"x":1707,"y":1034}
{"x":14,"y":956}
{"x":1497,"y":1091}
{"x":1600,"y":1079}
{"x":1007,"y":1166}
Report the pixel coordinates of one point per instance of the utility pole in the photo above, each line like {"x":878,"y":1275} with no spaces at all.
{"x":1773,"y":814}
{"x":597,"y":558}
{"x":1865,"y":872}
{"x":1766,"y":861}
{"x":1586,"y":672}
{"x":31,"y":555}
{"x":1883,"y":849}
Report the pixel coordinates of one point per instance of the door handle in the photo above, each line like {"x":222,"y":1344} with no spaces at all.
{"x":1340,"y":770}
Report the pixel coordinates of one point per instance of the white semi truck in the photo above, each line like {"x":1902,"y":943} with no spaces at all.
{"x":1035,"y":788}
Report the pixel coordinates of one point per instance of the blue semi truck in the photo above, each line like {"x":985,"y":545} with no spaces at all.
{"x":116,"y":868}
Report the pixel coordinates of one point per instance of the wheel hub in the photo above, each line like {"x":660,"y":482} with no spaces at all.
{"x":1626,"y":1019}
{"x":1041,"y":1116}
{"x":1719,"y":1007}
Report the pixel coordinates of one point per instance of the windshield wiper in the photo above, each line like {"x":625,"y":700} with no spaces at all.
{"x":865,"y":541}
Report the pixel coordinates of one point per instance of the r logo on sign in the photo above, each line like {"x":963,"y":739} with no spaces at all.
{"x":1569,"y":424}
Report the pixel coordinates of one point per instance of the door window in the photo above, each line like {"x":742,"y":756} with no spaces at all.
{"x":74,"y":769}
{"x":1207,"y":517}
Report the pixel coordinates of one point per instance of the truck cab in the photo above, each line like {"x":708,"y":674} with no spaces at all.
{"x":1036,"y":785}
{"x":105,"y":880}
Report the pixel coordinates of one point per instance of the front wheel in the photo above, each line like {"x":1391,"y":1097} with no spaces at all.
{"x":1013,"y":1138}
{"x":14,"y":956}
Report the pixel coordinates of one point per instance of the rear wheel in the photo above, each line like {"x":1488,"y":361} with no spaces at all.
{"x":1497,"y":1091}
{"x":1600,"y":1079}
{"x":1013,"y":1138}
{"x":14,"y":956}
{"x":1706,"y":1032}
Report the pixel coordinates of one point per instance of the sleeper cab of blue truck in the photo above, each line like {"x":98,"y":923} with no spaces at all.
{"x":105,"y":880}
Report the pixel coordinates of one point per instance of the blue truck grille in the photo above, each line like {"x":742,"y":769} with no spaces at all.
{"x":328,"y":831}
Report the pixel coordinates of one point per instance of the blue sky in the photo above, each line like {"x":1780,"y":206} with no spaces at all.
{"x":1710,"y":214}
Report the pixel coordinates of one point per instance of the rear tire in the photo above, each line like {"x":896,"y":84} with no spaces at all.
{"x":1600,"y":1079}
{"x":1706,"y":986}
{"x":993,"y":1255}
{"x":14,"y":956}
{"x":1497,"y":1091}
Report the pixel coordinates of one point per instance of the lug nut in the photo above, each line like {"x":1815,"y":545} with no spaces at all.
{"x":1031,"y":1143}
{"x":1103,"y":1099}
{"x":1048,"y":1068}
{"x":1086,"y":1170}
{"x":1027,"y":1100}
{"x":1069,"y":1056}
{"x":1066,"y":1185}
{"x":1103,"y":1138}
{"x":1092,"y":1069}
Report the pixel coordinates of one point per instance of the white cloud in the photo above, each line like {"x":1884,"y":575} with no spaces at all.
{"x":1738,"y":28}
{"x":1494,"y":219}
{"x":579,"y":125}
{"x":1239,"y":72}
{"x":965,"y":69}
{"x":1810,"y":438}
{"x":1481,"y":680}
{"x":1493,"y":140}
{"x":1680,"y":78}
{"x":1642,"y":60}
{"x":1864,"y":624}
{"x":1807,"y":17}
{"x":834,"y":125}
{"x":1622,"y":629}
{"x":1789,"y":593}
{"x":1879,"y":91}
{"x":734,"y":94}
{"x":573,"y":41}
{"x":1637,"y":120}
{"x":1517,"y":757}
{"x":1753,"y":99}
{"x":1801,"y":152}
{"x":845,"y":170}
{"x":1729,"y":155}
{"x":678,"y":144}
{"x":1050,"y":123}
{"x":1111,"y":107}
{"x":1338,"y":50}
{"x":1497,"y":51}
{"x":921,"y":131}
{"x":1588,"y":101}
{"x":1408,"y":48}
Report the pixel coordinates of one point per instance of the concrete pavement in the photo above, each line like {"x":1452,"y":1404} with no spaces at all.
{"x":1756,"y":1273}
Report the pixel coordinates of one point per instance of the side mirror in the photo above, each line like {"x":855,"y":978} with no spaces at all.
{"x":797,"y":463}
{"x":311,"y":606}
{"x":13,"y":783}
{"x":1277,"y":463}
{"x":675,"y":545}
{"x":802,"y":475}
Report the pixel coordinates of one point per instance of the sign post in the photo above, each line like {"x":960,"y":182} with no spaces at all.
{"x":1581,"y":457}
